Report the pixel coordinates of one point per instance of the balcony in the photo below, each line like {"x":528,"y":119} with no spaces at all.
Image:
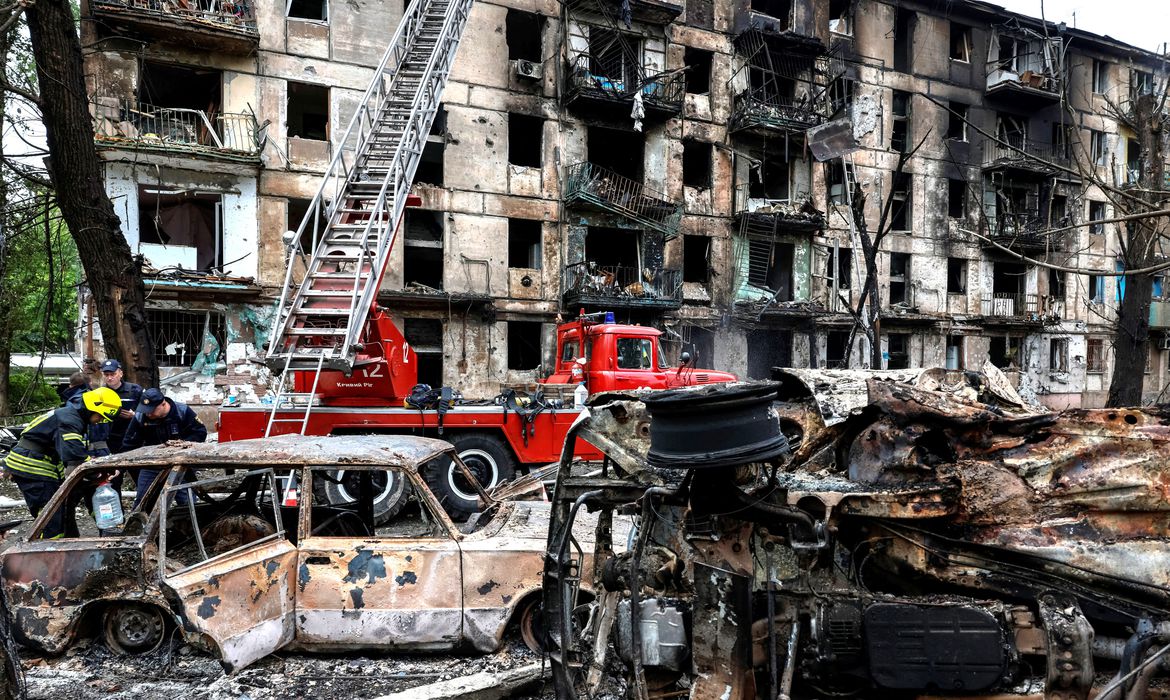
{"x":1026,"y":233}
{"x":1026,"y":89}
{"x":780,"y":24}
{"x":757,"y":112}
{"x":1023,"y":157}
{"x":792,"y":215}
{"x":144,"y":127}
{"x":611,"y":90}
{"x":648,"y":11}
{"x":589,"y":186}
{"x":210,"y":25}
{"x":1160,"y":314}
{"x":1020,"y":308}
{"x":587,"y":284}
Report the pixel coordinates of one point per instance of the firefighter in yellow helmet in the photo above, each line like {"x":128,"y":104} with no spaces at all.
{"x":52,"y":445}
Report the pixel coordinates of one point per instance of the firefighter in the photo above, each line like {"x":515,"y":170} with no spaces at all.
{"x":159,"y":420}
{"x":131,"y":394}
{"x":53,"y":445}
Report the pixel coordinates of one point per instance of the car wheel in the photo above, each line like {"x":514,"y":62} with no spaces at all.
{"x":389,"y":491}
{"x":488,"y":458}
{"x":133,"y":628}
{"x":531,"y":622}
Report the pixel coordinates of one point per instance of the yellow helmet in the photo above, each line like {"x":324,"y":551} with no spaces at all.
{"x":103,"y":401}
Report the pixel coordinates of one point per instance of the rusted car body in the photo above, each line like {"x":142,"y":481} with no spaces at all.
{"x":219,"y":548}
{"x":923,"y":536}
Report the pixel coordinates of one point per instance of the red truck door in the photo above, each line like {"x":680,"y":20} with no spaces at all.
{"x":634,"y":364}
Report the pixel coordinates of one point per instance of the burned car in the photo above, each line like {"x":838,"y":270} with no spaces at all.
{"x":225,"y":549}
{"x":933,"y":536}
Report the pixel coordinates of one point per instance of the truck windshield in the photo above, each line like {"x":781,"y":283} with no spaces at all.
{"x":635,"y":353}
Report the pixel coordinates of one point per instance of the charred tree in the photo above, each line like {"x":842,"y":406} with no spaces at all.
{"x":112,"y":273}
{"x":1140,"y":249}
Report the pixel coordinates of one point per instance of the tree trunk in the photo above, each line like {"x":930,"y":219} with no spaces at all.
{"x":1131,"y":344}
{"x":113,"y":275}
{"x":6,"y":307}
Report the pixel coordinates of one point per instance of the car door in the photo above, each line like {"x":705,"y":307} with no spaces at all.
{"x":394,"y":585}
{"x":241,"y":599}
{"x":635,"y":364}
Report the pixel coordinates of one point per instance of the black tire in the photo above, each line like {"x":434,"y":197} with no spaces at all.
{"x":389,"y":489}
{"x":488,"y":457}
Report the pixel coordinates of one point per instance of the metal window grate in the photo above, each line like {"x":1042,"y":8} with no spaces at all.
{"x":178,"y":335}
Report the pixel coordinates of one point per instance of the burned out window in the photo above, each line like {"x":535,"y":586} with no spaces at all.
{"x":1061,"y":140}
{"x":525,"y":140}
{"x":902,"y":205}
{"x":836,"y":347}
{"x":960,"y":43}
{"x":1098,"y":151}
{"x":1096,"y":289}
{"x":904,"y":21}
{"x":614,"y":56}
{"x":698,"y":63}
{"x":900,"y":130}
{"x":770,"y":179}
{"x":635,"y":353}
{"x":422,"y":248}
{"x":63,"y":522}
{"x":1005,"y":352}
{"x":317,"y":10}
{"x":524,"y":243}
{"x":954,"y":352}
{"x":1056,"y":285}
{"x":700,"y":343}
{"x":522,"y":31}
{"x":835,"y":179}
{"x":347,"y":503}
{"x":696,"y":164}
{"x":1096,"y":214}
{"x":956,"y":198}
{"x":696,"y":258}
{"x":1141,"y":82}
{"x":841,"y":17}
{"x":1058,"y":354}
{"x":308,"y":111}
{"x":780,"y":9}
{"x":899,"y":278}
{"x":770,"y":266}
{"x":180,"y":336}
{"x":898,"y":351}
{"x":841,"y":269}
{"x":425,"y":336}
{"x":524,"y":345}
{"x":768,"y":348}
{"x":1095,"y":355}
{"x":618,"y":150}
{"x":957,"y":121}
{"x":1133,"y":161}
{"x":956,"y":276}
{"x":295,"y":213}
{"x":180,"y":229}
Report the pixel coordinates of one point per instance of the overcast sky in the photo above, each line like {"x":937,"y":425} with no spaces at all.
{"x":1143,"y":23}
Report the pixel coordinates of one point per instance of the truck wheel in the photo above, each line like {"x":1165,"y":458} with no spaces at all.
{"x":389,"y":492}
{"x":488,"y":458}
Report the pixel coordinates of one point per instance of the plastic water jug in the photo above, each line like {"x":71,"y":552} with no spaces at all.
{"x":107,"y":507}
{"x":580,"y":396}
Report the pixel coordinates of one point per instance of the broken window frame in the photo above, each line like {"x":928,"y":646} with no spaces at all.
{"x":200,"y":323}
{"x":170,"y":493}
{"x":1098,"y":148}
{"x":841,"y":23}
{"x":706,"y":60}
{"x":514,"y":359}
{"x":836,"y":340}
{"x":290,"y":87}
{"x":957,"y":121}
{"x":1058,"y":355}
{"x":1141,"y":83}
{"x":288,"y":7}
{"x":698,"y":151}
{"x":844,"y":269}
{"x":689,"y":268}
{"x":902,"y":203}
{"x":1095,"y":289}
{"x":521,"y":125}
{"x":900,"y":274}
{"x":901,"y":356}
{"x":961,"y":47}
{"x":1100,"y":76}
{"x":534,"y":248}
{"x":1095,"y":355}
{"x":956,"y":275}
{"x":1096,"y":213}
{"x":956,"y":198}
{"x":514,"y":17}
{"x":900,"y":120}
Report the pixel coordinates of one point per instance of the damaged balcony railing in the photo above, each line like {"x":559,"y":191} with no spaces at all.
{"x":757,"y":109}
{"x":587,"y":283}
{"x":590,"y":184}
{"x":789,"y":213}
{"x":177,"y":128}
{"x":230,"y":14}
{"x":619,"y":80}
{"x":1015,"y":151}
{"x":1005,"y":305}
{"x":1027,"y":231}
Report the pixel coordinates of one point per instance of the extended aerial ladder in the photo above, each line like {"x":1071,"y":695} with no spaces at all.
{"x":339,"y":253}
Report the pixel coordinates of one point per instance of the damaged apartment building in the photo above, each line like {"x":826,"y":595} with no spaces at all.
{"x":646,"y":157}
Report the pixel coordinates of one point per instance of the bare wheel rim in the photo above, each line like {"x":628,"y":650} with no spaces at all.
{"x":531,"y":625}
{"x":134,"y":629}
{"x":482,"y":465}
{"x":382,"y":481}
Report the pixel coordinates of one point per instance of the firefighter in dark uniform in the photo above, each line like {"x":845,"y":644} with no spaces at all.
{"x":52,"y":445}
{"x":159,"y":420}
{"x":131,"y":394}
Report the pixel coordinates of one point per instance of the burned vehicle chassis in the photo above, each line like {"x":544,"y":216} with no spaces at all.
{"x":921,"y":544}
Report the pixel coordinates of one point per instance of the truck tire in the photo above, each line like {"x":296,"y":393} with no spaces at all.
{"x":390,"y":492}
{"x":487,"y":456}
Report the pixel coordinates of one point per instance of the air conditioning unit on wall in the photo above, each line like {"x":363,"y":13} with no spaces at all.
{"x":529,"y":69}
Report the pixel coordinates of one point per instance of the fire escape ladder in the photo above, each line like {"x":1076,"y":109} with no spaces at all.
{"x":338,"y":255}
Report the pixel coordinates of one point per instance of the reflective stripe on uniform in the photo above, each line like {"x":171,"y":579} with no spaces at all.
{"x":36,"y":421}
{"x":31,"y":465}
{"x":72,"y":436}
